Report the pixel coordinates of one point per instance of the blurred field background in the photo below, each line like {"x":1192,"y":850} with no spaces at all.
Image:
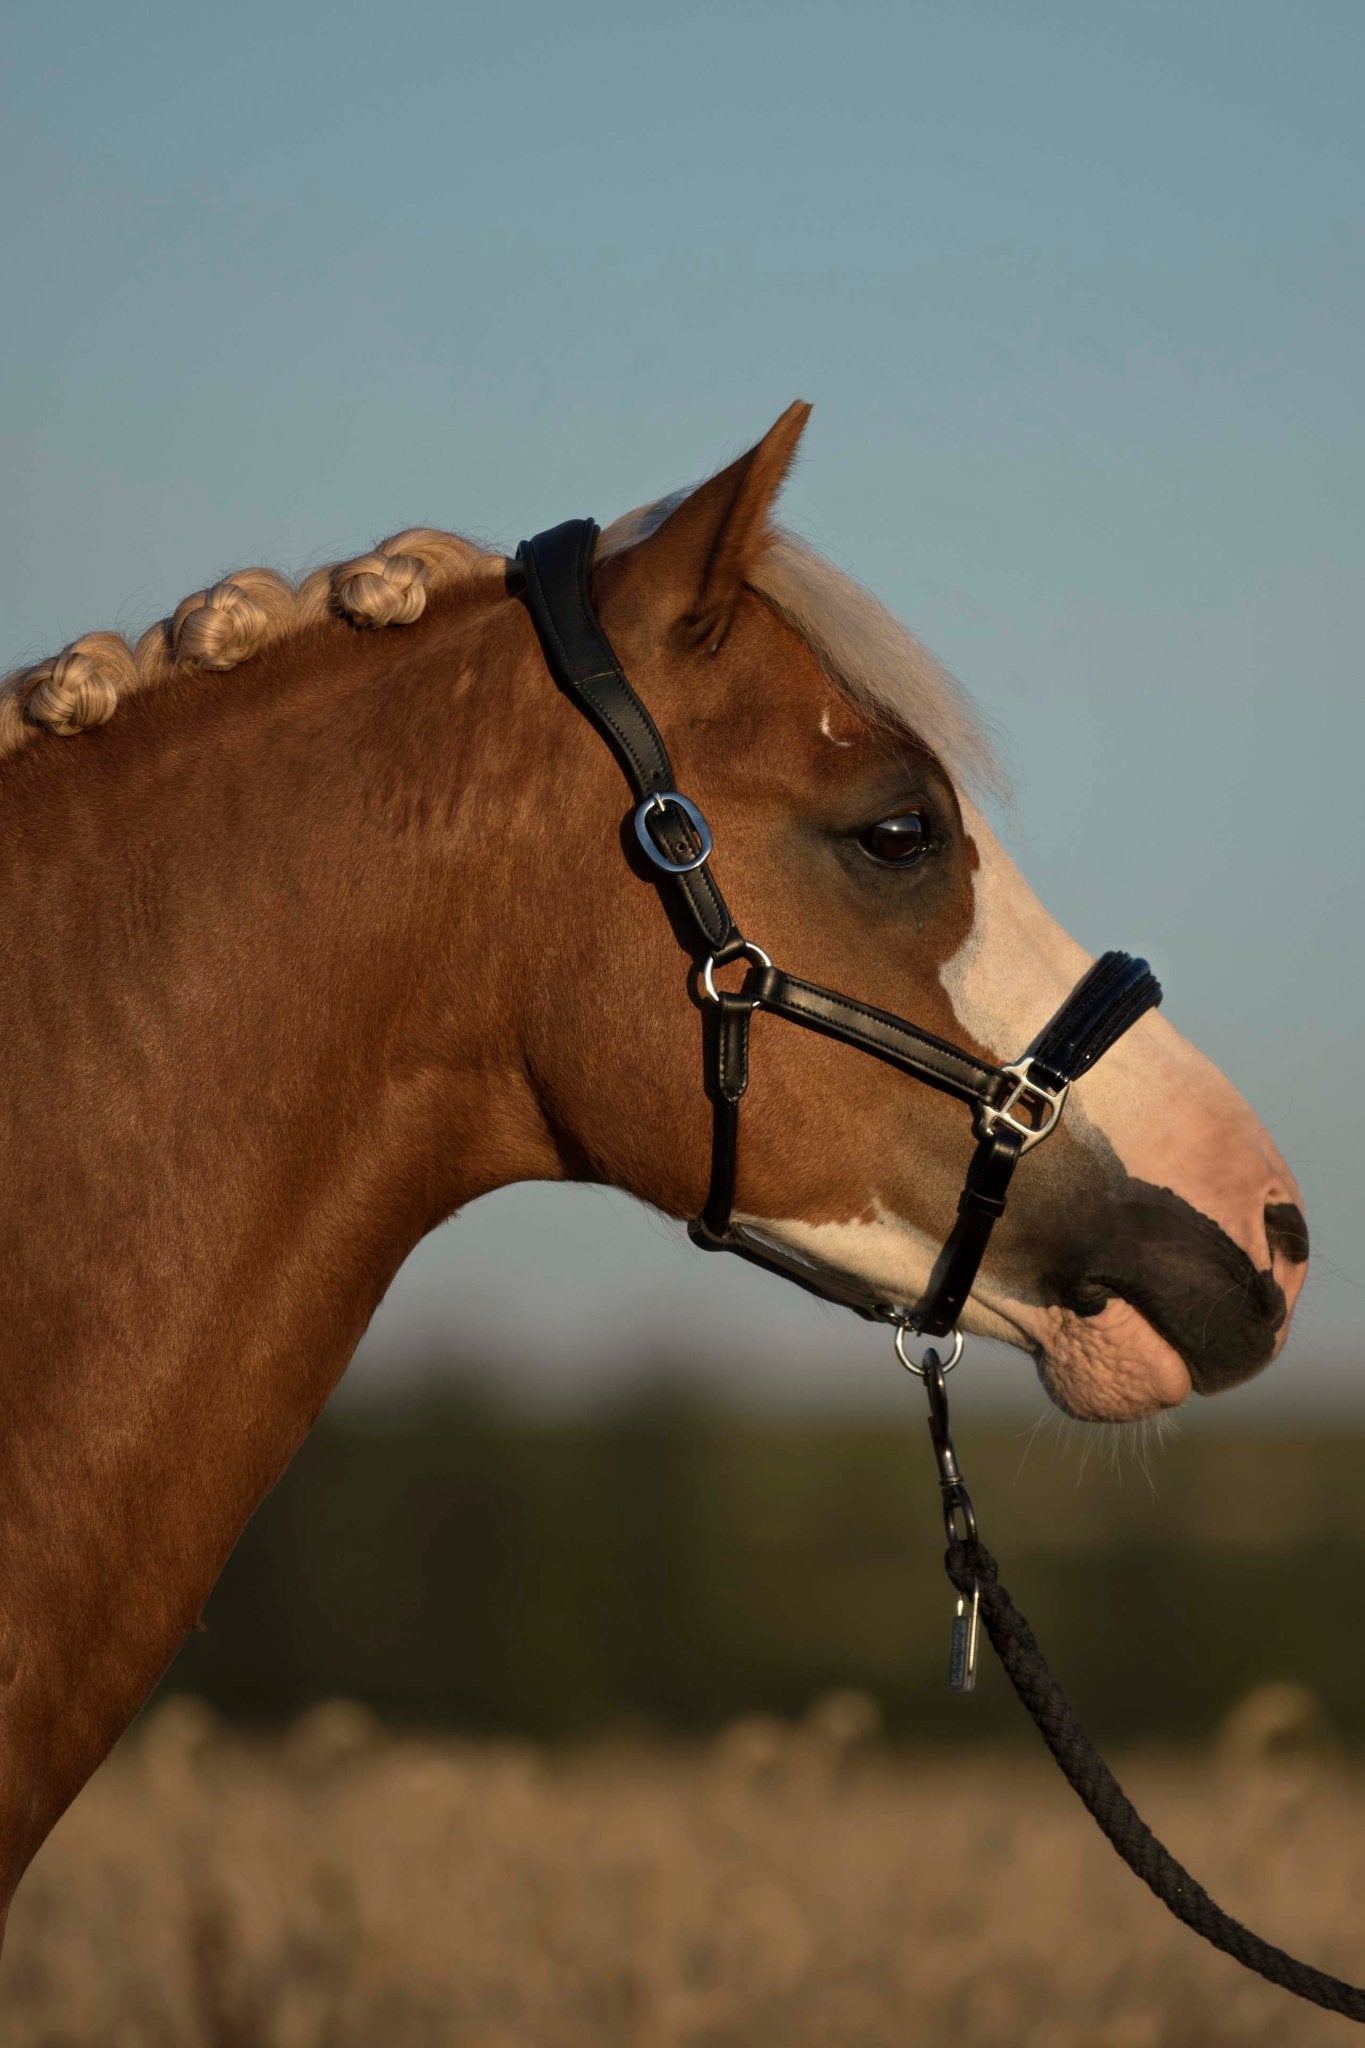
{"x":630,"y":1727}
{"x":665,"y":1564}
{"x":776,"y":1888}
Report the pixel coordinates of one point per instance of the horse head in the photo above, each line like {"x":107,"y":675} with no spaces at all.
{"x":1155,"y":1245}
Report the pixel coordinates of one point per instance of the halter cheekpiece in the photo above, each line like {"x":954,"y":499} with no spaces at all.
{"x":1014,"y":1106}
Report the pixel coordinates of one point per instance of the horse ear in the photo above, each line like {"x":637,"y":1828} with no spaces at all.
{"x":696,"y":562}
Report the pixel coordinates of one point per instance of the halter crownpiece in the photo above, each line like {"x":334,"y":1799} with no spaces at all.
{"x":1015,"y":1106}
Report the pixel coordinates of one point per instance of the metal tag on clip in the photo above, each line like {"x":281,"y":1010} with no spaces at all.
{"x":962,"y":1654}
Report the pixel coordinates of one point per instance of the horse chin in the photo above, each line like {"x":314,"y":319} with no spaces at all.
{"x":1110,"y":1367}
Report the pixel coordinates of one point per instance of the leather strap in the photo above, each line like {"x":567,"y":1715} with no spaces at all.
{"x":1110,"y":997}
{"x":829,"y":1283}
{"x":726,"y":1054}
{"x":557,"y":565}
{"x":583,"y":662}
{"x":979,"y":1208}
{"x":890,"y":1038}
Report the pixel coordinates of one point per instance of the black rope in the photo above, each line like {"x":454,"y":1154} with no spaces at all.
{"x":970,"y":1566}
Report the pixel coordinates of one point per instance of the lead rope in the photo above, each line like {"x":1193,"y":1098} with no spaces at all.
{"x":975,"y":1578}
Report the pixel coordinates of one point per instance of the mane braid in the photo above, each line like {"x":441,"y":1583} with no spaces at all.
{"x":868,"y":653}
{"x":221,"y":627}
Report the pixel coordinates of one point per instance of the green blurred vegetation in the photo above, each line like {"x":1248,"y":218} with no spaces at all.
{"x":667,"y":1567}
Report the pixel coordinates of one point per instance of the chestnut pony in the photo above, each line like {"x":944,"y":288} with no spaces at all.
{"x":312,"y":934}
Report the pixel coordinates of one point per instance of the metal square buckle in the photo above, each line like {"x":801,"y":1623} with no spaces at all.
{"x":1041,"y":1107}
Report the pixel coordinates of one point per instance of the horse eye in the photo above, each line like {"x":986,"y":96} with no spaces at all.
{"x":897,"y":842}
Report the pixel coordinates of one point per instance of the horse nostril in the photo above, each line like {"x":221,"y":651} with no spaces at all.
{"x":1286,"y":1233}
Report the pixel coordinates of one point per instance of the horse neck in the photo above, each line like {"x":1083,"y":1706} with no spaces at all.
{"x":240,"y":1083}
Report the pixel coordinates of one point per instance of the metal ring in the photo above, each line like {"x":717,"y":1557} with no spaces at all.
{"x":959,"y":1345}
{"x":660,"y":801}
{"x":748,"y":951}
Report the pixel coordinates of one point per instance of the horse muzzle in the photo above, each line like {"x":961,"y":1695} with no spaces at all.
{"x":1221,"y":1313}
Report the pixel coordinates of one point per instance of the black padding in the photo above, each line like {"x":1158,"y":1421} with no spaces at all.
{"x":557,"y":563}
{"x":1107,"y":1000}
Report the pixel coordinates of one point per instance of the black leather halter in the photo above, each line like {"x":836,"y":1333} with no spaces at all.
{"x":1015,"y":1106}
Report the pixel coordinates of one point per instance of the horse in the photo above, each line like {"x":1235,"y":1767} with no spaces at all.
{"x":322,"y":919}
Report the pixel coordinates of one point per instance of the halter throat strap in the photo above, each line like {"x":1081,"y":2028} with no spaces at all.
{"x":1014,"y":1106}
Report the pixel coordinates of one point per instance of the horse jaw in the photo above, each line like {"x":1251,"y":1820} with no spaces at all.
{"x":1110,"y":1367}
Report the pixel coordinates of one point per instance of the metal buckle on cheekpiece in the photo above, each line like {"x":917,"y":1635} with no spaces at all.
{"x":1033,"y":1096}
{"x":660,"y":802}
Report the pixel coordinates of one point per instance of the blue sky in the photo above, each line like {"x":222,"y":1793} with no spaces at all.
{"x":1078,"y":294}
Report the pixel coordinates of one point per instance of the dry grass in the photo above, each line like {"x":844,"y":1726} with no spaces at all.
{"x":795,"y":1887}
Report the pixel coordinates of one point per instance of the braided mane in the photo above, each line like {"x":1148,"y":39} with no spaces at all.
{"x":218,"y":628}
{"x":869,"y":654}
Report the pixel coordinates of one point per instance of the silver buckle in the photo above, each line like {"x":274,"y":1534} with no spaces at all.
{"x":1049,"y":1102}
{"x":659,"y":802}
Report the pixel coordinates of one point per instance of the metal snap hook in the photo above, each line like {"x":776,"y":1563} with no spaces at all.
{"x":944,"y":1364}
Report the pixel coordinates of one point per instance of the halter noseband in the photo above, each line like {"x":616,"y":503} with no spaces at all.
{"x":1015,"y":1106}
